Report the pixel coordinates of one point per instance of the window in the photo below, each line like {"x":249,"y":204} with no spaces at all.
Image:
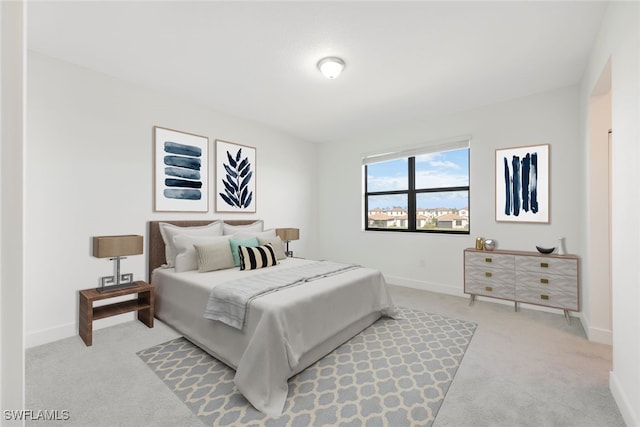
{"x":424,"y":189}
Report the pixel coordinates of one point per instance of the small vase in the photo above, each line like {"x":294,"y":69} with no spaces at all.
{"x":489,"y":244}
{"x":561,"y":249}
{"x":479,"y":243}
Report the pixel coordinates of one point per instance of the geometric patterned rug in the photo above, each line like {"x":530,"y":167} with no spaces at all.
{"x":394,"y":373}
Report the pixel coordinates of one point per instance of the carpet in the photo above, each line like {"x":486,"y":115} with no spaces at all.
{"x":394,"y":373}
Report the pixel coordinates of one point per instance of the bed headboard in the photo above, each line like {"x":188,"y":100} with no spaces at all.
{"x":156,"y":244}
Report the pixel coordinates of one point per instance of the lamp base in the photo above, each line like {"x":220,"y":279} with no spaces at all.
{"x":119,"y":282}
{"x":115,"y":287}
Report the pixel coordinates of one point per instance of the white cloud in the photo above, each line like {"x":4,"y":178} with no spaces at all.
{"x":437,"y":179}
{"x":386,"y":183}
{"x":446,"y":164}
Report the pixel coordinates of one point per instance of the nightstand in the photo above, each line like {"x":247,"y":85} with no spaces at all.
{"x":144,"y":305}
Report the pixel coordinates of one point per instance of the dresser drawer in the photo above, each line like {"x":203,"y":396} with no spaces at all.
{"x":488,"y":259}
{"x":551,"y":265}
{"x":545,"y":280}
{"x":550,"y":297}
{"x":489,"y":274}
{"x":495,"y":289}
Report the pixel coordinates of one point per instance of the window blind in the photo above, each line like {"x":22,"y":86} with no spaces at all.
{"x":446,"y":145}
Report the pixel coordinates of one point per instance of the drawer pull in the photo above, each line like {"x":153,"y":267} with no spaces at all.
{"x":544,"y":264}
{"x":544,"y":281}
{"x":544,"y":297}
{"x":488,"y":274}
{"x":488,"y":288}
{"x":488,"y":260}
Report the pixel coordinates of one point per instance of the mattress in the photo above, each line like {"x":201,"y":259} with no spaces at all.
{"x":285,"y":331}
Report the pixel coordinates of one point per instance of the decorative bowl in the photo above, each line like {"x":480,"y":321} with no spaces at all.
{"x":545,"y":250}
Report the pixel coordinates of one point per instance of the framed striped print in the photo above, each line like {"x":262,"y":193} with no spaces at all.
{"x":181,"y":171}
{"x":522,"y":184}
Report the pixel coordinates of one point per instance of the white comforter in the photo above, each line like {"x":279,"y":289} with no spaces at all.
{"x":286,"y":331}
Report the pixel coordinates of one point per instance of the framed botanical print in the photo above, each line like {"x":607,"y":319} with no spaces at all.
{"x":235,"y":177}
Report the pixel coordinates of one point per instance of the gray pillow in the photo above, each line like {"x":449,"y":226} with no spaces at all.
{"x":214,"y":256}
{"x":276,"y":242}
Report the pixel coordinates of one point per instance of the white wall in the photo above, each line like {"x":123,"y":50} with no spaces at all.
{"x":89,"y":172}
{"x":619,"y":42}
{"x":597,"y":278}
{"x":13,"y":51}
{"x":432,"y":261}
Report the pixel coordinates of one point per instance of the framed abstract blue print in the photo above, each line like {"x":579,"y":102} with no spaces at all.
{"x":522,"y":184}
{"x":181,"y":168}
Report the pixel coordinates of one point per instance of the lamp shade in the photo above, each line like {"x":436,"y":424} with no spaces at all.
{"x":287,"y":234}
{"x":114,"y":246}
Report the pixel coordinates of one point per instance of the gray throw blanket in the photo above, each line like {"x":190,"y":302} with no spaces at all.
{"x":229,"y":301}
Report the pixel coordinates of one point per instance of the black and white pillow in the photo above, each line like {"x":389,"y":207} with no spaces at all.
{"x":254,"y":257}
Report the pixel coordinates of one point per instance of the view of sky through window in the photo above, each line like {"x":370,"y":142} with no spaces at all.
{"x":433,"y":170}
{"x":388,"y":176}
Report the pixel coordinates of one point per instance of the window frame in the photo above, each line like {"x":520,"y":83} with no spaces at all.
{"x":411,"y":192}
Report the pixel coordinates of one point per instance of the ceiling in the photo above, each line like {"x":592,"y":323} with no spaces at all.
{"x":257,"y":60}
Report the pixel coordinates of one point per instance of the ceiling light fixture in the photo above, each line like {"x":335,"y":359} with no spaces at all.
{"x":331,"y":67}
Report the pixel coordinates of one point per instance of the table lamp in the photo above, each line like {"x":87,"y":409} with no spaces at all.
{"x":116,"y":248}
{"x":287,"y":235}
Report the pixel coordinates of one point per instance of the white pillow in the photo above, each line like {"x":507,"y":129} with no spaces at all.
{"x":187,"y":258}
{"x":253,"y":227}
{"x":276,"y":243}
{"x":244,"y":235}
{"x":169,"y":231}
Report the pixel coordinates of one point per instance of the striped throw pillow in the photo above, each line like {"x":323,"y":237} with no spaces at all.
{"x":254,"y":257}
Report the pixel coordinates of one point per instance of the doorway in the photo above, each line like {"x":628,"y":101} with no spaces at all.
{"x":597,"y":299}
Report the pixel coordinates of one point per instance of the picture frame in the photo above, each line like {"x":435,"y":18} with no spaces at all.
{"x":522,"y":184}
{"x":181,"y":171}
{"x":235,"y":177}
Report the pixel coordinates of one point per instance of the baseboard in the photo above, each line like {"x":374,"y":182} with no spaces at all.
{"x":425,"y":286}
{"x":601,"y":336}
{"x":46,"y":336}
{"x":459,"y":292}
{"x":627,"y":410}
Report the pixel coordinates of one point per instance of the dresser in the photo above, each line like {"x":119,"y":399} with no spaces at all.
{"x":523,"y":277}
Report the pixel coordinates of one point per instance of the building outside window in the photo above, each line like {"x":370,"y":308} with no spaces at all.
{"x":423,"y":189}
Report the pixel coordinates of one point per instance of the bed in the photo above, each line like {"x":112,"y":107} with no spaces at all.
{"x":284,"y":332}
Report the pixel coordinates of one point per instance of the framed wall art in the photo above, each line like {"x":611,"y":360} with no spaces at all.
{"x":181,"y":168}
{"x":522,"y":184}
{"x":235,"y":177}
